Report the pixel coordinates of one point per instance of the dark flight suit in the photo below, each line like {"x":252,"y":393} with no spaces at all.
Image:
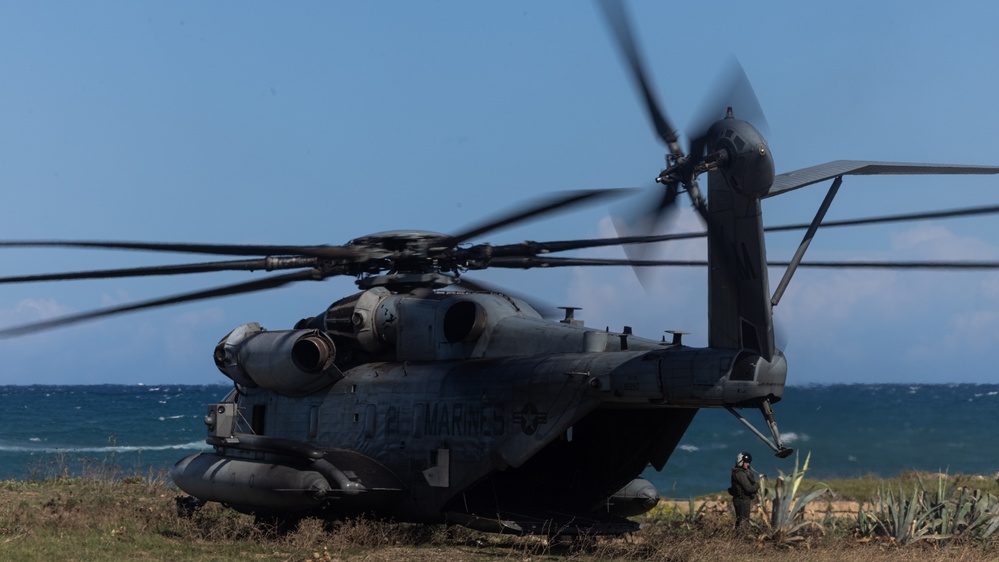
{"x":743,"y":490}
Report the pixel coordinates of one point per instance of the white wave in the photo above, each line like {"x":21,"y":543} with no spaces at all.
{"x":688,"y":448}
{"x":193,"y":445}
{"x":792,"y":437}
{"x":35,"y":439}
{"x":164,"y":418}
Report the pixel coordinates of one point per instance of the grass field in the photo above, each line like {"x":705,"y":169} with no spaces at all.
{"x":103,"y":517}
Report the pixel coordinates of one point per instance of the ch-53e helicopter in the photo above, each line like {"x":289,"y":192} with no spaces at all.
{"x":427,"y":397}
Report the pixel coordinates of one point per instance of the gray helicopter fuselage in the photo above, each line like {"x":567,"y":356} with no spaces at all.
{"x":438,"y":392}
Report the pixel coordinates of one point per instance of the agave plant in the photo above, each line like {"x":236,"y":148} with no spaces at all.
{"x":989,"y":509}
{"x":783,"y":506}
{"x":964,"y":512}
{"x":945,"y":512}
{"x":904,"y":519}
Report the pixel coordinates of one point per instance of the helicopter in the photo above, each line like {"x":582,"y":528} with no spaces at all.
{"x":429,"y":397}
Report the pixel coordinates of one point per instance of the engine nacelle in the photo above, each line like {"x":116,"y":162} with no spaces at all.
{"x":289,"y":362}
{"x":417,"y":326}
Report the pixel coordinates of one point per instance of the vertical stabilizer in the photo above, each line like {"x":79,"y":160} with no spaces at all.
{"x":739,"y":310}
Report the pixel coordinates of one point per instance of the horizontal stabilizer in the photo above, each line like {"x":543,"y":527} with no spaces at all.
{"x":807,"y":176}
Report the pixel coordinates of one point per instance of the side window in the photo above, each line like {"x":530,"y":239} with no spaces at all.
{"x":370,"y":421}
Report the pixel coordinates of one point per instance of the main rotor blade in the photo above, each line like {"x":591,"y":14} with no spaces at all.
{"x":320,"y":251}
{"x":536,"y":248}
{"x":228,"y":290}
{"x":266,"y":264}
{"x":556,"y":202}
{"x":933,"y":265}
{"x":952,"y":213}
{"x":616,"y":17}
{"x":530,"y":263}
{"x":536,"y":262}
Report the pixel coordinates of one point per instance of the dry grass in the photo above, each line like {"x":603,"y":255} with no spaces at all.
{"x":107,"y":516}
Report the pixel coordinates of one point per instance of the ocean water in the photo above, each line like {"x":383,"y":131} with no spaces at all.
{"x":50,"y":429}
{"x":849,"y":430}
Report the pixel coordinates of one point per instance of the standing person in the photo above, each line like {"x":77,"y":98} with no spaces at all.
{"x":743,"y":490}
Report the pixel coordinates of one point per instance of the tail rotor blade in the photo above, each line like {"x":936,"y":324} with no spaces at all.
{"x":617,"y":19}
{"x":731,"y":89}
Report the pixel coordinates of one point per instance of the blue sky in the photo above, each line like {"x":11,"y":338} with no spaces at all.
{"x":320,"y":122}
